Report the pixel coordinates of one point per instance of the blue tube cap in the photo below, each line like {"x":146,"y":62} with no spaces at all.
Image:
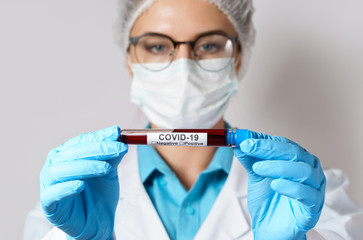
{"x":241,"y":135}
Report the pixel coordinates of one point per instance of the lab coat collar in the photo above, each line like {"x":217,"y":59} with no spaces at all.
{"x":226,"y":218}
{"x":138,"y":218}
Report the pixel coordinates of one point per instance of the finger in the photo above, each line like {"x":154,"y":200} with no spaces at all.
{"x":107,"y":134}
{"x":238,"y":153}
{"x":259,"y":135}
{"x":293,"y":171}
{"x":247,"y":162}
{"x":50,"y":156}
{"x":312,"y":199}
{"x":270,"y":150}
{"x":76,"y":170}
{"x":91,"y":151}
{"x":51,"y":196}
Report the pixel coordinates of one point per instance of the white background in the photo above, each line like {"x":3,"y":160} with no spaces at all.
{"x":62,"y":75}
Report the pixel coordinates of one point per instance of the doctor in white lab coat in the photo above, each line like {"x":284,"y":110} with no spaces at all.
{"x":341,"y":217}
{"x":185,"y":58}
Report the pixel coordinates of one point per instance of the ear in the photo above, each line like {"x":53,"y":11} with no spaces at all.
{"x":238,"y":63}
{"x":128,"y":65}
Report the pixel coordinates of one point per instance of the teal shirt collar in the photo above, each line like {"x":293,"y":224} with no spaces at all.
{"x":150,"y":160}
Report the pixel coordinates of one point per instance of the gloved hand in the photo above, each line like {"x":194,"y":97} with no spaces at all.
{"x":79,"y":186}
{"x":286,"y":186}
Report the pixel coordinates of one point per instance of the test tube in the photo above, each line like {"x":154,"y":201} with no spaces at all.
{"x":184,"y":137}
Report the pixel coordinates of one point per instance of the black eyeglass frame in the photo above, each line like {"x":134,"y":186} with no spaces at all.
{"x":234,"y":40}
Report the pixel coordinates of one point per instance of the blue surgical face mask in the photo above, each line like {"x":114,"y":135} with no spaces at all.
{"x":184,"y":95}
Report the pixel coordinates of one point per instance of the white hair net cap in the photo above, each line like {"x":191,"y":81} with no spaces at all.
{"x":239,"y":13}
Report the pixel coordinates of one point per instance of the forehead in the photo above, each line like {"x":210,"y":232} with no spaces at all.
{"x":182,"y":20}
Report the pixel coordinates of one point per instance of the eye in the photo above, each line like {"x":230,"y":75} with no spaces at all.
{"x":209,"y":48}
{"x":158,"y":48}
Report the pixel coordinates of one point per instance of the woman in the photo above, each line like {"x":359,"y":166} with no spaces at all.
{"x":185,"y":57}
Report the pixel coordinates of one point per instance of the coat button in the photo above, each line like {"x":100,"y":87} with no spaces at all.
{"x":190,"y":210}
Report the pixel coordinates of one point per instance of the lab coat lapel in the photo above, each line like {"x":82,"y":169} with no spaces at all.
{"x":136,"y":215}
{"x":228,"y":218}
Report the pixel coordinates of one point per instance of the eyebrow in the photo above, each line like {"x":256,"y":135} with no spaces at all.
{"x":217,"y":31}
{"x":220,"y":31}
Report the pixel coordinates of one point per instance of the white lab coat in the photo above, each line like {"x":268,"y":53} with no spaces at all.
{"x":136,"y":217}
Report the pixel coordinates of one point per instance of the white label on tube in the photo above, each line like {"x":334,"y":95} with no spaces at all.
{"x":177,"y":139}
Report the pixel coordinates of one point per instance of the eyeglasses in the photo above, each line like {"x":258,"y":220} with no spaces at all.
{"x":155,"y":52}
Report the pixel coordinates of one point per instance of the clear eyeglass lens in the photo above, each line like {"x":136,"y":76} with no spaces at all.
{"x":211,"y":47}
{"x":156,"y":52}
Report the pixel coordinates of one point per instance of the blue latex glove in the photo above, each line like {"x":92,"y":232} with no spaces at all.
{"x":286,"y":187}
{"x":79,"y":184}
